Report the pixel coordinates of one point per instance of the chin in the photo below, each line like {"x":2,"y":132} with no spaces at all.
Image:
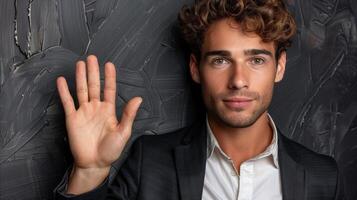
{"x":239,"y":120}
{"x":238,"y":123}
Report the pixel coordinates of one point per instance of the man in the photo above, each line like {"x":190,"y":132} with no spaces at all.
{"x":234,"y":152}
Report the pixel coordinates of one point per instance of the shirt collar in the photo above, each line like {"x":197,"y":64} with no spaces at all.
{"x":271,"y":150}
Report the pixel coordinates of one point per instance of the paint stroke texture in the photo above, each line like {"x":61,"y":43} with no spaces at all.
{"x":43,"y":40}
{"x":316,"y":104}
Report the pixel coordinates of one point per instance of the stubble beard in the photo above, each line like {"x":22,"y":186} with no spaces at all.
{"x":240,"y":118}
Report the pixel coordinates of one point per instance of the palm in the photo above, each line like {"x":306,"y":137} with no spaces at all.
{"x":95,"y":136}
{"x":89,"y":128}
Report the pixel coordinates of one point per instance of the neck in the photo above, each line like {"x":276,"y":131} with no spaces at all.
{"x":242,"y":144}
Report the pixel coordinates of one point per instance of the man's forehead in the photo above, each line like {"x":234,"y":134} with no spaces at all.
{"x":222,"y":35}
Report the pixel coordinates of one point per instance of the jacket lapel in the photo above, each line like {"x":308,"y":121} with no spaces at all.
{"x":292,"y":173}
{"x":190,"y":158}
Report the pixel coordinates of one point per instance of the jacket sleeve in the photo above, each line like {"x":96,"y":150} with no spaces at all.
{"x":123,"y":187}
{"x":340,"y":194}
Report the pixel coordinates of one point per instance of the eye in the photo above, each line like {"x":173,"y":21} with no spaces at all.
{"x":257,"y":61}
{"x":219,"y":61}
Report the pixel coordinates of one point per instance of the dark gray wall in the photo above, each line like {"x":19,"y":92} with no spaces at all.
{"x":316,"y":104}
{"x":41,"y":40}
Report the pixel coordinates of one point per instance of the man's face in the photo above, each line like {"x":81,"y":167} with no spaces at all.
{"x":237,"y":72}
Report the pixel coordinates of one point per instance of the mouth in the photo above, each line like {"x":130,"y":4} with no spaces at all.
{"x":238,"y":102}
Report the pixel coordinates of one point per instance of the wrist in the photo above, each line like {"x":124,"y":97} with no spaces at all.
{"x":83,"y":180}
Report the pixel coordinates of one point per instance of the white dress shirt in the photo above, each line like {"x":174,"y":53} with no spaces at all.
{"x":259,"y":177}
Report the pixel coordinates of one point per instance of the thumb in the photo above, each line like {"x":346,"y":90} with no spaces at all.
{"x":129,"y":114}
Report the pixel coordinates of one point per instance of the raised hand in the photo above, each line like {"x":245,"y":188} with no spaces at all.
{"x":96,"y":137}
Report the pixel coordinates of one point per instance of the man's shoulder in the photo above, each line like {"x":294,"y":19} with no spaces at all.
{"x":306,"y":157}
{"x":156,"y":151}
{"x":320,"y":172}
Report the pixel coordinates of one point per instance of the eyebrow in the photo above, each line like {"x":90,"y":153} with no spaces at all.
{"x":250,"y":52}
{"x":217,"y":53}
{"x":253,"y":52}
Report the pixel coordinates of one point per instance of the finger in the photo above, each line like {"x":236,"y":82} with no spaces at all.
{"x":65,"y":95}
{"x":93,"y":78}
{"x":129,"y":114}
{"x":110,"y":83}
{"x":81,"y":82}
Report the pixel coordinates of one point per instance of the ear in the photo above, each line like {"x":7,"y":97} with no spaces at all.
{"x":281,"y":67}
{"x":195,"y":74}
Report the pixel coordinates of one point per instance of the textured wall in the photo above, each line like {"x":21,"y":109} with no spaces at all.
{"x":316,"y":104}
{"x":40,"y":40}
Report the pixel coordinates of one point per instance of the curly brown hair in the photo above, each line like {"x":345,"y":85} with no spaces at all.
{"x":269,"y":19}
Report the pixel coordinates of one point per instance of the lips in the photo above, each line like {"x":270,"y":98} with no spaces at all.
{"x":237,"y":102}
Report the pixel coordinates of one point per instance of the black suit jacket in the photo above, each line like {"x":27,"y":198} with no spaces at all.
{"x":172,"y":167}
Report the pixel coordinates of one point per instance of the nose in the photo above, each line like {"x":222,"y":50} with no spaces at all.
{"x":238,"y":77}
